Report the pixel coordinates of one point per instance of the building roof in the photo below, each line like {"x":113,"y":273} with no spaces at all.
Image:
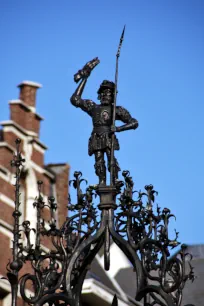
{"x":193,"y":292}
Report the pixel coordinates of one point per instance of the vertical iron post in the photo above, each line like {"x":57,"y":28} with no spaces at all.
{"x":16,"y":264}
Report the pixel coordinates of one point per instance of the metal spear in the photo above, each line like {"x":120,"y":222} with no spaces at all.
{"x":112,"y":164}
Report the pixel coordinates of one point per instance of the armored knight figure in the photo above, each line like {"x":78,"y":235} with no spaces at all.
{"x":103,"y":128}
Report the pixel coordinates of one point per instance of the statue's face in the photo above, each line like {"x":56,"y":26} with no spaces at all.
{"x":106,"y":96}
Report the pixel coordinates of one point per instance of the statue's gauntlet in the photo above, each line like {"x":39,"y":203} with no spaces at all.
{"x":129,"y":126}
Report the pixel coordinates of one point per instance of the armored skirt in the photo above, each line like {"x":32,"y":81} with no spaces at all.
{"x":101,"y":142}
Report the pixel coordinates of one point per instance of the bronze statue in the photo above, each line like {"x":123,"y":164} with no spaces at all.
{"x":103,"y":124}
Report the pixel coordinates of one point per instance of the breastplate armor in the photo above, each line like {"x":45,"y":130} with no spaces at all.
{"x":102,"y":116}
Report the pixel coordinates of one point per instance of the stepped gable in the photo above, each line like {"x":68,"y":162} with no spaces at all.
{"x":24,"y":123}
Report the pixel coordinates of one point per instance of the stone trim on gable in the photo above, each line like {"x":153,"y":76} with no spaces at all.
{"x":26,"y":107}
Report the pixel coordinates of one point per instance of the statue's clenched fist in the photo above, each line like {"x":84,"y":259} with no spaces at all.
{"x":86,"y":70}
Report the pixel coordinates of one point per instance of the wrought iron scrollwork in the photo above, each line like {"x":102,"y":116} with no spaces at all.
{"x":127,"y":217}
{"x":146,"y":229}
{"x":50,"y":267}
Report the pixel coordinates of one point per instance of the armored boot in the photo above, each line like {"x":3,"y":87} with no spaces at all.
{"x":100,"y":170}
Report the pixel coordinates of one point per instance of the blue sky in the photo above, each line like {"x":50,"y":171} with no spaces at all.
{"x":161,"y":75}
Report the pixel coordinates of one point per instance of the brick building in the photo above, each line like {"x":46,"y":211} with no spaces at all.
{"x":24,"y":123}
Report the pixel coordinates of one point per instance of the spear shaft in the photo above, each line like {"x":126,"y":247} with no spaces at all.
{"x":112,"y":164}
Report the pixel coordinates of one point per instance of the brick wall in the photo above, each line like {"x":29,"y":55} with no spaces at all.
{"x":38,"y":157}
{"x":25,"y":117}
{"x":6,"y":156}
{"x":7,"y":189}
{"x":6,"y":254}
{"x":6,"y":213}
{"x":62,"y":178}
{"x":10,"y":137}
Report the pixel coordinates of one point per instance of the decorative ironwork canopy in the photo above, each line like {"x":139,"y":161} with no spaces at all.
{"x":128,"y":217}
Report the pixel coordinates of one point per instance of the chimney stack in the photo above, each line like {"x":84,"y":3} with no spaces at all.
{"x":28,"y":92}
{"x":23,"y":111}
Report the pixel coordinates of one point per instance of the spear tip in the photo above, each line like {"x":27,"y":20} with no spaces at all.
{"x":123,"y":32}
{"x":120,"y":43}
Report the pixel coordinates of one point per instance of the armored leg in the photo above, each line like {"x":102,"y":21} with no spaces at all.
{"x":116,"y":167}
{"x":100,"y":167}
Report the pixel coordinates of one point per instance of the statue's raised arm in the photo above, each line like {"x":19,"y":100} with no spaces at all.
{"x":83,"y":74}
